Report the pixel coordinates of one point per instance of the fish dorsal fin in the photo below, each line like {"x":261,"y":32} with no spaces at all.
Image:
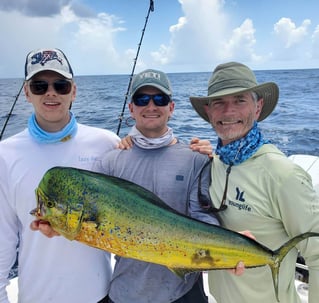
{"x":135,"y":189}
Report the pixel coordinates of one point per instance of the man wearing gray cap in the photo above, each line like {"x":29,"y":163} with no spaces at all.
{"x":263,"y":191}
{"x":161,"y":163}
{"x":55,"y":270}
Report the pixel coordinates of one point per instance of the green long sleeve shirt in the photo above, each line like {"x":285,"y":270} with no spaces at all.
{"x":273,"y":198}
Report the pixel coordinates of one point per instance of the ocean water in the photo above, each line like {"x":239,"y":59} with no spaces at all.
{"x":293,"y":126}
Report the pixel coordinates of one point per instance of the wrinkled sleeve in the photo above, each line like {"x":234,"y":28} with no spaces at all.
{"x":302,"y":215}
{"x":8,"y":233}
{"x":313,"y":286}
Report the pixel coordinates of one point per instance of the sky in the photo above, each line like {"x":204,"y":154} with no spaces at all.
{"x":101,"y":37}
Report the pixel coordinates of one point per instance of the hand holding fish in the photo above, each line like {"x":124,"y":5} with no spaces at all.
{"x":44,"y":227}
{"x":240,"y":267}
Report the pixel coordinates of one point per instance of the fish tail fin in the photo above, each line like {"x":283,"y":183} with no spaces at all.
{"x":275,"y":277}
{"x":280,"y":253}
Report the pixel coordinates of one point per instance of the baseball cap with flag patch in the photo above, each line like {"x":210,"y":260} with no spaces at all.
{"x":47,"y":59}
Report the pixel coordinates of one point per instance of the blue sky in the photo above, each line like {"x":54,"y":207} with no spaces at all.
{"x":101,"y":36}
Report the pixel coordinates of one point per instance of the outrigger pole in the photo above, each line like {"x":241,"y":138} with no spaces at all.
{"x":11,"y":110}
{"x":150,"y":9}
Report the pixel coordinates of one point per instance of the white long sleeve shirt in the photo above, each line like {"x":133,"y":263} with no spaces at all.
{"x":50,"y":270}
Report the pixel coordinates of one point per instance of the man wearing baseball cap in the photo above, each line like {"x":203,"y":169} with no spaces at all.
{"x":161,"y":163}
{"x":50,"y":270}
{"x":263,"y":191}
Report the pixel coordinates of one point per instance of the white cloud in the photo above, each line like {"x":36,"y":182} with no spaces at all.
{"x":204,"y":34}
{"x":93,"y":42}
{"x":87,"y":41}
{"x":291,"y":44}
{"x":23,"y":35}
{"x":315,"y":43}
{"x":289,"y":34}
{"x":197,"y":35}
{"x":243,"y":39}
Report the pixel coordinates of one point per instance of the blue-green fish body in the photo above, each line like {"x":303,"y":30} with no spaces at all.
{"x":125,"y":219}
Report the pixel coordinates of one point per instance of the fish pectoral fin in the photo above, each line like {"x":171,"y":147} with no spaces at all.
{"x":68,"y":236}
{"x":182,"y":272}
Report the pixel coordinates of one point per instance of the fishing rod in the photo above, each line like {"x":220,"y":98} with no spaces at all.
{"x":150,"y":9}
{"x":11,"y":110}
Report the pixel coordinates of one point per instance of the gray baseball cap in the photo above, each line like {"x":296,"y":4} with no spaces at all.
{"x":151,"y":77}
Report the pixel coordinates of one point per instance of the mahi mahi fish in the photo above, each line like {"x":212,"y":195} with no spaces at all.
{"x":123,"y":218}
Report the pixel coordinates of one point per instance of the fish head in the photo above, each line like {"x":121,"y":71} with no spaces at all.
{"x":56,"y":204}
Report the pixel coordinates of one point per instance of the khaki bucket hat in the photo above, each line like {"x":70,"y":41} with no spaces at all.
{"x":231,"y":79}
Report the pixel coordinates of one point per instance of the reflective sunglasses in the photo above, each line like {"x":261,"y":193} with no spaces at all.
{"x":144,"y":99}
{"x":40,"y":87}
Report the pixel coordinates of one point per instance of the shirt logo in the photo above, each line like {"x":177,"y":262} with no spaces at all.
{"x":239,"y":203}
{"x":240,"y":195}
{"x":150,"y":75}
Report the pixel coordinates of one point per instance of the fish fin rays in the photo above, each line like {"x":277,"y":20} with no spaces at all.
{"x":280,"y":253}
{"x":275,"y":277}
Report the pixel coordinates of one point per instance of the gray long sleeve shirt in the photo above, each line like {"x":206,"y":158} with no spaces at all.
{"x":172,"y":174}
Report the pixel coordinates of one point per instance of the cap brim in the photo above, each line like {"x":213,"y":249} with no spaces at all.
{"x":268,"y":91}
{"x":62,"y":73}
{"x":161,"y":88}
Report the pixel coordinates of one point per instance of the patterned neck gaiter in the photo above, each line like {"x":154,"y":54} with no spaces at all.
{"x":151,"y":143}
{"x":240,"y":150}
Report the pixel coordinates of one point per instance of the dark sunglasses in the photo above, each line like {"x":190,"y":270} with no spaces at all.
{"x":40,"y":87}
{"x":144,"y":99}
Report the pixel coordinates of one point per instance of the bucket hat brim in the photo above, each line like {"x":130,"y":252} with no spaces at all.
{"x":269,"y":91}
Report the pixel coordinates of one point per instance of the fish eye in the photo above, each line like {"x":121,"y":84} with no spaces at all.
{"x":50,"y":204}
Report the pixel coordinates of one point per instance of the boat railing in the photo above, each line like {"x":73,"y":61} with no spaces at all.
{"x":302,"y":266}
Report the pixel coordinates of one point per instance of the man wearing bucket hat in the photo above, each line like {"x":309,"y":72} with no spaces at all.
{"x":161,"y":163}
{"x":256,"y":187}
{"x":49,"y":270}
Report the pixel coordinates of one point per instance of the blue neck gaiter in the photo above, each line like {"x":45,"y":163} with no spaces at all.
{"x":42,"y":136}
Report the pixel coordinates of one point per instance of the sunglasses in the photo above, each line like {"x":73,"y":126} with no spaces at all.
{"x":204,"y":199}
{"x":144,"y":99}
{"x":40,"y":87}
